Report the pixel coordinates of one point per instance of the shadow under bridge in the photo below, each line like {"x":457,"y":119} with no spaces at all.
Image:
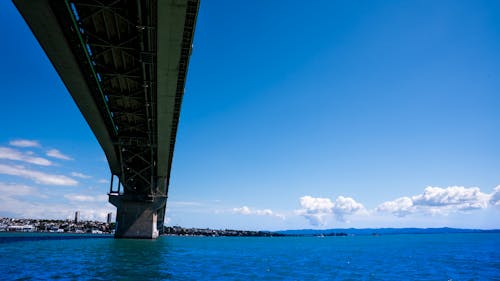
{"x":124,"y":63}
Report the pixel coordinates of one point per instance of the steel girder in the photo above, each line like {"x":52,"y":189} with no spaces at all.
{"x":115,"y":37}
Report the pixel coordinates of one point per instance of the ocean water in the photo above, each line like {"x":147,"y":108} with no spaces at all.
{"x":391,"y":257}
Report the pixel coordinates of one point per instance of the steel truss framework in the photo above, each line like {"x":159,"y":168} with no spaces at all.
{"x":115,"y":44}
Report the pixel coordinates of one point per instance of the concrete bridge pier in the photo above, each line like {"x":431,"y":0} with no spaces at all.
{"x":137,"y":218}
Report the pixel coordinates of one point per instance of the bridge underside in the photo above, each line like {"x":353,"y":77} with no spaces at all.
{"x":125,"y":64}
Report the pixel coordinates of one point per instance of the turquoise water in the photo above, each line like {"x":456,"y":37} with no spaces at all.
{"x":391,"y":257}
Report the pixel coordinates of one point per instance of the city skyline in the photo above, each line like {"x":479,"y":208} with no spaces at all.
{"x":359,"y":114}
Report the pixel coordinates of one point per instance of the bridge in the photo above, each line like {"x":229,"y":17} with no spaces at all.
{"x":124,"y":62}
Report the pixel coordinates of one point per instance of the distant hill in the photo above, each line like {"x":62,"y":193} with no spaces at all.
{"x":383,"y":231}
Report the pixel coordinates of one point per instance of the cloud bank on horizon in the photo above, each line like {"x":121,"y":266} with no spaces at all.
{"x":33,"y":187}
{"x":24,"y":143}
{"x":245,"y":210}
{"x":433,"y":201}
{"x":316,"y":210}
{"x":436,"y":200}
{"x":22,"y":199}
{"x":12,"y":156}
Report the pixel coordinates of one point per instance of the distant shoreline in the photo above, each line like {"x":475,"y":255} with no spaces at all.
{"x":95,"y":227}
{"x":55,"y":226}
{"x":181,"y":231}
{"x":385,"y":231}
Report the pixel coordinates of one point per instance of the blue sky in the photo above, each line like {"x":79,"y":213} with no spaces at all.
{"x":331,"y":114}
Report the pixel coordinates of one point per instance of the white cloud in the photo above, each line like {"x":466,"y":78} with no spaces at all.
{"x":264,"y":212}
{"x":437,"y":200}
{"x":243,"y":210}
{"x":346,"y":206}
{"x":259,"y":212}
{"x":184,"y":203}
{"x":17,"y":200}
{"x":80,"y":175}
{"x":399,"y":207}
{"x":25,"y":143}
{"x":57,"y":154}
{"x":103,"y":181}
{"x":459,"y":197}
{"x":323,"y":205}
{"x":316,"y":209}
{"x":86,"y":198}
{"x":10,"y":189}
{"x":30,"y":209}
{"x":94,"y":214}
{"x":38,"y":177}
{"x":495,"y":196}
{"x":16,"y":155}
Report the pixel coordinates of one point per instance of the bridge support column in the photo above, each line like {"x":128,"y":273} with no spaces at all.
{"x":136,"y":218}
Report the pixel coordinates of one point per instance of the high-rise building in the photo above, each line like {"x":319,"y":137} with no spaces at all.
{"x":77,"y":216}
{"x":108,"y":220}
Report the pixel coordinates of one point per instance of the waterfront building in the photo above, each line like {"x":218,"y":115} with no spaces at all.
{"x":77,"y":216}
{"x":21,"y":228}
